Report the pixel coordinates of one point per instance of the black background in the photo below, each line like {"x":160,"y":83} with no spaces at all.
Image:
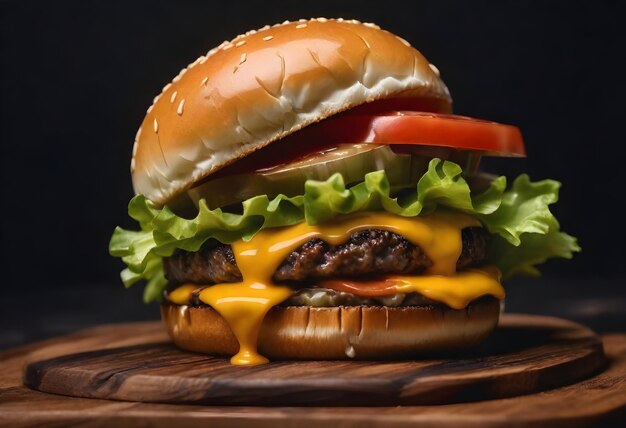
{"x":77,"y":77}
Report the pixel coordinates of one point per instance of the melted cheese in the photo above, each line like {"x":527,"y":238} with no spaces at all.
{"x":182,"y":294}
{"x":244,"y":305}
{"x":456,"y":291}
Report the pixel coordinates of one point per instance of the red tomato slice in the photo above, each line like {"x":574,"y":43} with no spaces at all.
{"x":419,"y":128}
{"x":453,"y":131}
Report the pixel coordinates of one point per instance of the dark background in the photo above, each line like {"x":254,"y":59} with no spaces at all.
{"x":77,"y":77}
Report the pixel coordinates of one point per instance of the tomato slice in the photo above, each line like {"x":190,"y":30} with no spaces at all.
{"x":458,"y":132}
{"x":367,"y":288}
{"x":419,"y":128}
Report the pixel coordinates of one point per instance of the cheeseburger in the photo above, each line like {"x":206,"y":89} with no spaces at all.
{"x":304,"y":192}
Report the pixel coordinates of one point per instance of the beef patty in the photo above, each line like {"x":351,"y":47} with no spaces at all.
{"x":368,"y":252}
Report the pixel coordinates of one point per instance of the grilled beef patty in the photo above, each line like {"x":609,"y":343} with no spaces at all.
{"x":368,"y":252}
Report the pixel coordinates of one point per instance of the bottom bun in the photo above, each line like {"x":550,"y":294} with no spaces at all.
{"x":361,"y":332}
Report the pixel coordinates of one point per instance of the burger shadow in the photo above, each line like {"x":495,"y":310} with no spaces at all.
{"x":507,"y":340}
{"x":514,"y":339}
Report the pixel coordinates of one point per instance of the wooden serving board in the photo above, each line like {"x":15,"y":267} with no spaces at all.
{"x":526,"y":354}
{"x":597,"y":401}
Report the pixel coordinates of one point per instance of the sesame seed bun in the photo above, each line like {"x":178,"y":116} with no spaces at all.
{"x":264,"y":85}
{"x":360,"y":332}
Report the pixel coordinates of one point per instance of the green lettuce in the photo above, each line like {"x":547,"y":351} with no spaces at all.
{"x":526,"y":232}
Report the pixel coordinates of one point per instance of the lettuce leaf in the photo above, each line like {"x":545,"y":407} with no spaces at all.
{"x":526,"y":232}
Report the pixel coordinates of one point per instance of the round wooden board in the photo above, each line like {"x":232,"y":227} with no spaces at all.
{"x":526,"y":354}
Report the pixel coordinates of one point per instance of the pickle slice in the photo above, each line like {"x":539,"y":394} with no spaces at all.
{"x":352,"y":161}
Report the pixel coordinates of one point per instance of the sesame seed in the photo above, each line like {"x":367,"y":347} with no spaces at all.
{"x":206,"y":79}
{"x":132,"y":165}
{"x":434,"y":68}
{"x":285,"y":22}
{"x":403,"y":41}
{"x":150,"y":109}
{"x":156,"y":126}
{"x":322,"y":20}
{"x":371,"y":25}
{"x":302,"y":20}
{"x":227,"y":46}
{"x":267,"y":38}
{"x":340,"y":19}
{"x":173,"y":97}
{"x":241,"y":43}
{"x":301,"y":26}
{"x":179,"y":110}
{"x":166,"y":87}
{"x":243,"y":58}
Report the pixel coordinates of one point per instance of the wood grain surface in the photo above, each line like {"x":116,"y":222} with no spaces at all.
{"x":596,"y":401}
{"x":525,"y":355}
